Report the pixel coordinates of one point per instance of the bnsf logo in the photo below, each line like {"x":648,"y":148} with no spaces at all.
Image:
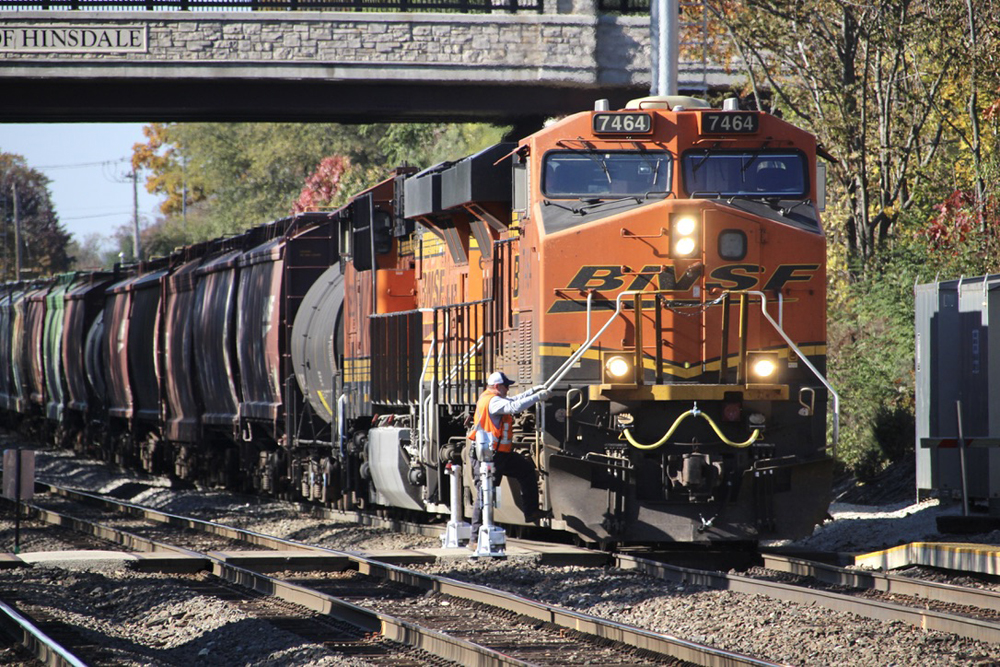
{"x":736,"y":277}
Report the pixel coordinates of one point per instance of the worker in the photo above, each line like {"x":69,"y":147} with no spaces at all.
{"x":491,"y":433}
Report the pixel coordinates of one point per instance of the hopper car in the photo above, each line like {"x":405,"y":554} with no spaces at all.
{"x":660,"y":268}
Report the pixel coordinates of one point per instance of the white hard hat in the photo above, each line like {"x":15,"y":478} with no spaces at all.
{"x":497,"y":377}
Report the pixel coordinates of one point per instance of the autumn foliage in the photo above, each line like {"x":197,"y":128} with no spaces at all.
{"x":323,"y":185}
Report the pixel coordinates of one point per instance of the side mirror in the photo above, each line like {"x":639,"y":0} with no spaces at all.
{"x":820,"y":186}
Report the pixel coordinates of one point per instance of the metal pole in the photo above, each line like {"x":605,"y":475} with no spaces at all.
{"x":664,"y":33}
{"x":136,"y":248}
{"x":17,"y":503}
{"x":961,"y":460}
{"x":17,"y":236}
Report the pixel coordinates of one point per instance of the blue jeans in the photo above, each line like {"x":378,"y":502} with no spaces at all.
{"x":513,"y":465}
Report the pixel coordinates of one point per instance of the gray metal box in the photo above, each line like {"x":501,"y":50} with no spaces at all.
{"x":957,"y":325}
{"x":422,"y":192}
{"x":478,"y":178}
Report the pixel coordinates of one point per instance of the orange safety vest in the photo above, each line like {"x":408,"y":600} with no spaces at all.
{"x":482,"y":419}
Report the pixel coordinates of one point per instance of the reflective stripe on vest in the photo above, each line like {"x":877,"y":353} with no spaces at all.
{"x":500,"y":434}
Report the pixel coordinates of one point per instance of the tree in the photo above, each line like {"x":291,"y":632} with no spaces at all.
{"x":221,"y":178}
{"x":92,"y":253}
{"x":323,"y":186}
{"x":867,"y":80}
{"x":44,"y":242}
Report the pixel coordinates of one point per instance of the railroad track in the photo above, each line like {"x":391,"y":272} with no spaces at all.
{"x":39,"y":640}
{"x":469,"y":624}
{"x":966,"y":612}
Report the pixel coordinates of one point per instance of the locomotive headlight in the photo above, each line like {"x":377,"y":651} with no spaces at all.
{"x":618,"y":369}
{"x":763,"y":367}
{"x":685,"y":246}
{"x":685,"y":225}
{"x":683,"y":235}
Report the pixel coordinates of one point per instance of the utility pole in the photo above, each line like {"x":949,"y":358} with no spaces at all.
{"x":17,"y":236}
{"x":6,"y":262}
{"x":664,"y":29}
{"x":184,"y":192}
{"x":136,"y":248}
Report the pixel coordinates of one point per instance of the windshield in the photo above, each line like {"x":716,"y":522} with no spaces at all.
{"x":751,"y":173}
{"x":595,"y":174}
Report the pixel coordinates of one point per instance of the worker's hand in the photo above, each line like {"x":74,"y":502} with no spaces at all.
{"x":537,"y":388}
{"x":544,"y":394}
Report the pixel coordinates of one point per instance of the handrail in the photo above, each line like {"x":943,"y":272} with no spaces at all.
{"x":460,"y":6}
{"x":342,"y":426}
{"x":422,"y":426}
{"x":573,"y":358}
{"x":465,"y":358}
{"x":805,"y":360}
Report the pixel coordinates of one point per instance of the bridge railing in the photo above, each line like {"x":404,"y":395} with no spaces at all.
{"x":623,"y":6}
{"x":456,"y":6}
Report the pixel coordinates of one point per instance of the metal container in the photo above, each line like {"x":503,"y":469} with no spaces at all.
{"x":130,"y":344}
{"x":422,"y":192}
{"x":274,"y":278}
{"x":317,"y":337}
{"x":478,"y":178}
{"x":212,"y":333}
{"x":83,"y":303}
{"x":958,"y":364}
{"x":97,"y":363}
{"x":18,"y":361}
{"x":182,"y":406}
{"x":7,"y":298}
{"x":259,"y":331}
{"x":55,"y":313}
{"x":33,"y":346}
{"x":143,"y":342}
{"x":117,"y":317}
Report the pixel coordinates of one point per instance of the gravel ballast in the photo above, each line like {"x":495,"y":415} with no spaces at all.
{"x":775,"y":630}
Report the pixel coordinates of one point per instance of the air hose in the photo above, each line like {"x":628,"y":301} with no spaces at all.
{"x":693,"y":412}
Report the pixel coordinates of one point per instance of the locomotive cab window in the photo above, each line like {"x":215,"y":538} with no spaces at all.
{"x":598,"y":174}
{"x":749,"y":173}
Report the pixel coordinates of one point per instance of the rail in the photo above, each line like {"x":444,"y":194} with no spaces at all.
{"x":406,"y":6}
{"x":456,"y":650}
{"x":29,"y":635}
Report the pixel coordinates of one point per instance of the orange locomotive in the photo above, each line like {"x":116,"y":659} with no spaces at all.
{"x":660,"y":268}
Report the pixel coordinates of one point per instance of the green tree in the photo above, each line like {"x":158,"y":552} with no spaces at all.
{"x":221,"y":178}
{"x":44,"y":242}
{"x":867,"y":80}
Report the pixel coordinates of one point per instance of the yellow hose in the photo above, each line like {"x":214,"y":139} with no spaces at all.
{"x":662,"y":441}
{"x":696,"y":412}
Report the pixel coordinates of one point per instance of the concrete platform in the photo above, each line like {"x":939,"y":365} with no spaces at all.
{"x":97,"y":559}
{"x":963,"y":557}
{"x":276,"y":561}
{"x":547,"y":554}
{"x":296,"y":560}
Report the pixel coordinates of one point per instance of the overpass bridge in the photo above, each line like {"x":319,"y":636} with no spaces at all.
{"x":286,"y":60}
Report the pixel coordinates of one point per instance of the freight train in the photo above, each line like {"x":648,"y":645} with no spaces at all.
{"x":660,"y":268}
